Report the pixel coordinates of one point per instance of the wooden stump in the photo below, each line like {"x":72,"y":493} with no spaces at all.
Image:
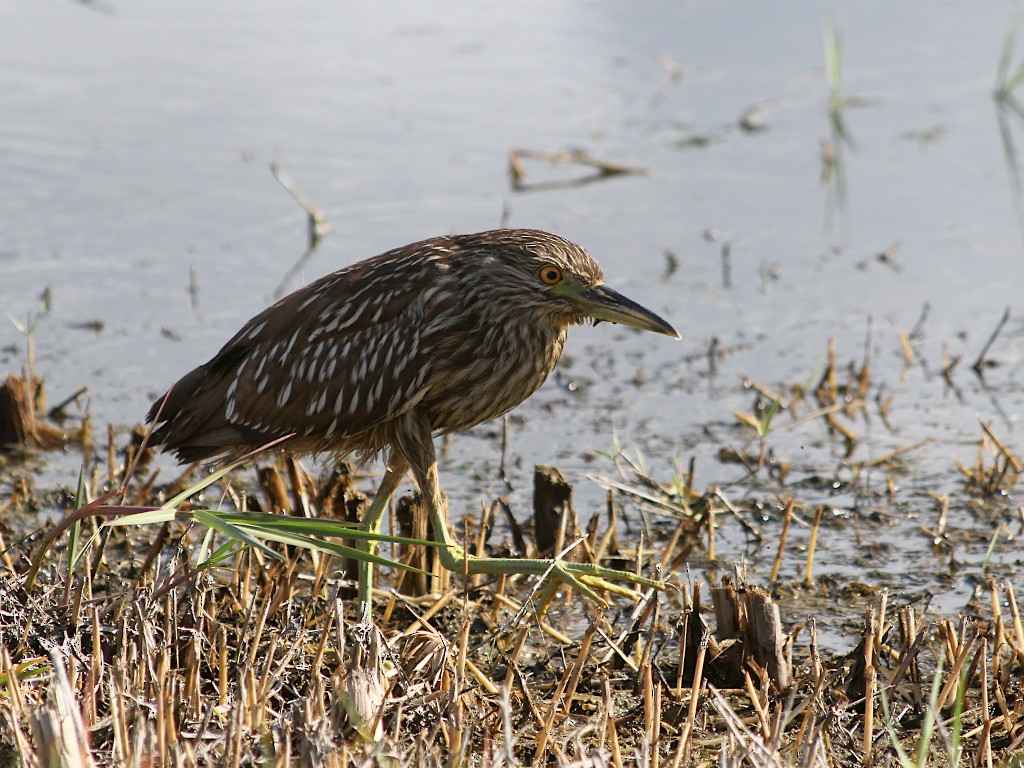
{"x":341,"y":500}
{"x":747,"y":616}
{"x":554,"y":519}
{"x":21,"y":400}
{"x":413,"y":522}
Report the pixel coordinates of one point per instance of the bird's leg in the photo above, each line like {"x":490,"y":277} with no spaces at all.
{"x":395,"y":470}
{"x":586,"y":577}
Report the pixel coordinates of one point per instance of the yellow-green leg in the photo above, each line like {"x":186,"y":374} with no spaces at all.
{"x":397,"y":466}
{"x":586,"y":577}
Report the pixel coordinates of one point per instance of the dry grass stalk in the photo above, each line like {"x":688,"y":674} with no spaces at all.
{"x":999,"y":476}
{"x":870,"y":660}
{"x":602,"y":168}
{"x":695,"y":689}
{"x":787,"y":517}
{"x":148,"y":699}
{"x":241,"y":665}
{"x":811,"y":545}
{"x":60,"y":737}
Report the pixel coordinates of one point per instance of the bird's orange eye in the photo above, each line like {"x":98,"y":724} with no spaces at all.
{"x":550,"y":274}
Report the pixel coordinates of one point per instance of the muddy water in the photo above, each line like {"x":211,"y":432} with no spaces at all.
{"x":135,"y":144}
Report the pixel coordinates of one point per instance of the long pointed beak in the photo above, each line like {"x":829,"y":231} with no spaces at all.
{"x":602,"y":303}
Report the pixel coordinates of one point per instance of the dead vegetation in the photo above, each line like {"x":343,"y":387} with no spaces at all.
{"x":125,"y":662}
{"x":599,"y":169}
{"x":117,"y":648}
{"x":24,"y":420}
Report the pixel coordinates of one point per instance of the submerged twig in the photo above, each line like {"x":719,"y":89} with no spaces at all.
{"x":318,"y":226}
{"x":604,"y":169}
{"x":981,"y":361}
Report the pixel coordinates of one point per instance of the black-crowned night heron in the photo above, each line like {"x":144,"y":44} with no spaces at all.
{"x":428,"y":339}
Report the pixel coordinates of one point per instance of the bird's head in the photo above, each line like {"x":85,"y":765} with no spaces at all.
{"x":557,"y":279}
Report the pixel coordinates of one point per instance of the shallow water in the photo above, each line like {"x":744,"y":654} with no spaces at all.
{"x":135,"y":150}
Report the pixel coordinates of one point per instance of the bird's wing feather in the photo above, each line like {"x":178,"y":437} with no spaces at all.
{"x":338,"y":361}
{"x":339,"y":357}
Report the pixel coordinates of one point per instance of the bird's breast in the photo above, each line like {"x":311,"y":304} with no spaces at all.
{"x":484,"y":370}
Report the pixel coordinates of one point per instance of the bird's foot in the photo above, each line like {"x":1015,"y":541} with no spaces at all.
{"x":588,"y":578}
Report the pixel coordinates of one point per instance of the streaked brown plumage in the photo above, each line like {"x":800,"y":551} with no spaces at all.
{"x":431,"y":338}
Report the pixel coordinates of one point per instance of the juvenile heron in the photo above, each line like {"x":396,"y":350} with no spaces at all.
{"x":428,"y":339}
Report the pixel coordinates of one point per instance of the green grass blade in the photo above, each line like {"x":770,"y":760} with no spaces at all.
{"x":26,"y":670}
{"x":1003,"y":86}
{"x":253,"y":528}
{"x":901,"y":753}
{"x":205,"y":545}
{"x":989,"y":551}
{"x":765,"y":424}
{"x":311,"y":526}
{"x":212,"y":520}
{"x":202,"y":485}
{"x":74,"y":548}
{"x":159,"y":515}
{"x":1016,"y":80}
{"x":833,"y":40}
{"x":225,"y":551}
{"x":931,"y":712}
{"x":955,"y":746}
{"x":331,"y":548}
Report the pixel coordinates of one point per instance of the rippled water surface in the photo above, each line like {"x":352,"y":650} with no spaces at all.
{"x":135,"y":147}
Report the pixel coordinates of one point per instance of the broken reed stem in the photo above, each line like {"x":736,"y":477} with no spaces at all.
{"x":513,"y":657}
{"x":809,"y":719}
{"x":566,"y":688}
{"x":610,"y":724}
{"x":669,"y":550}
{"x":909,"y":648}
{"x":711,"y":532}
{"x":647,"y":684}
{"x":760,"y":707}
{"x":518,"y":609}
{"x":787,"y":517}
{"x":1018,"y":627}
{"x":698,"y":679}
{"x":869,"y":686}
{"x":548,"y":723}
{"x":684,"y":627}
{"x":980,"y":362}
{"x":831,"y":374}
{"x":997,"y":677}
{"x":953,"y":683}
{"x":985,"y":752}
{"x":222,"y":665}
{"x":1012,"y":458}
{"x":808,"y":580}
{"x":581,"y":659}
{"x":907,"y":348}
{"x":462,"y":656}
